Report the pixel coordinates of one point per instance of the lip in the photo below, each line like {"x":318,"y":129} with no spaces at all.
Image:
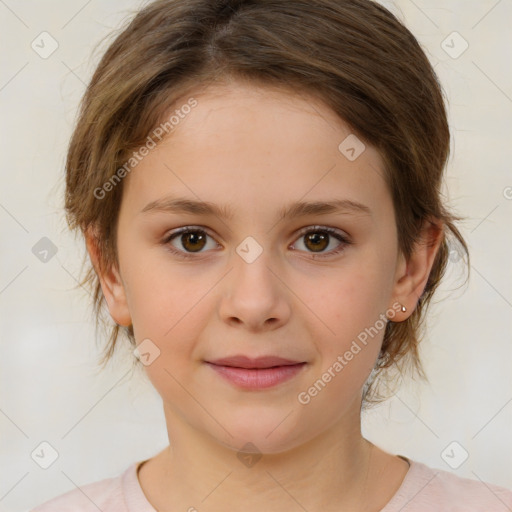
{"x":241,"y":361}
{"x":256,"y":374}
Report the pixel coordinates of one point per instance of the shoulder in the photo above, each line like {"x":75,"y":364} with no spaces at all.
{"x":105,"y":495}
{"x":425,"y":489}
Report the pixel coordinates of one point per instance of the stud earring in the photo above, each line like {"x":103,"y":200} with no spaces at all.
{"x":404,"y":309}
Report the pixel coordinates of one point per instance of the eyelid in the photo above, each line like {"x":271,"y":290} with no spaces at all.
{"x":340,"y":235}
{"x":185,"y":229}
{"x":344,"y":239}
{"x":302,"y":231}
{"x":328,"y":229}
{"x":171,"y":235}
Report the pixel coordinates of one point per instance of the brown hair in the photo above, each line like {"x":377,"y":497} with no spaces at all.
{"x":355,"y":56}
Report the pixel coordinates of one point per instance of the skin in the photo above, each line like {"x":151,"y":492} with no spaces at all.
{"x":256,"y":150}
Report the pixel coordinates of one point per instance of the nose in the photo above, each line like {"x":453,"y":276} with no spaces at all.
{"x":254,"y":296}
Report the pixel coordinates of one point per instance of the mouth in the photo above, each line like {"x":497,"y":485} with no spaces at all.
{"x":255,"y":374}
{"x":263,"y":362}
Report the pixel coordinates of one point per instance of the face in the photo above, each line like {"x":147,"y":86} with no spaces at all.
{"x":242,"y":279}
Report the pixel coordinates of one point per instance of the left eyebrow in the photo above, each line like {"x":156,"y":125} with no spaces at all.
{"x":302,"y":209}
{"x":298,"y":209}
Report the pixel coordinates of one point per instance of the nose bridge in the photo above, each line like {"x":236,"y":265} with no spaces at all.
{"x":253,"y":294}
{"x":253,"y":262}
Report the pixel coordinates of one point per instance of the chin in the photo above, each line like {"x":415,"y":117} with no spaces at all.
{"x":262,"y":433}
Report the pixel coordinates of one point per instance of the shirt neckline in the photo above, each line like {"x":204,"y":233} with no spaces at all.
{"x":133,"y":495}
{"x":136,"y":500}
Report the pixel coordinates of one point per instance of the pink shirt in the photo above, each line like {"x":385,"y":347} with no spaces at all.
{"x":423,"y":489}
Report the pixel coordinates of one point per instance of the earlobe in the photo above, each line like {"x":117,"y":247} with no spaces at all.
{"x":111,"y":284}
{"x":413,"y":274}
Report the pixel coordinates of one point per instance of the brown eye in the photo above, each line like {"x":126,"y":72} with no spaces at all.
{"x":193,"y":240}
{"x":317,"y":241}
{"x":187,"y":241}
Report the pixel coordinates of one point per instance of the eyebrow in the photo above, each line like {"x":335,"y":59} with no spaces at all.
{"x":299,"y":209}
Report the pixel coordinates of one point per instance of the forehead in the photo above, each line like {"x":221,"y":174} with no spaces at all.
{"x":255,"y":147}
{"x":236,"y":106}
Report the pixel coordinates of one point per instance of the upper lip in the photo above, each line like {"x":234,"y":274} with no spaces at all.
{"x":240,"y":361}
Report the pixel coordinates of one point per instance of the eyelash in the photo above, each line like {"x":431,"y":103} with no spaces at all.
{"x":314,"y":229}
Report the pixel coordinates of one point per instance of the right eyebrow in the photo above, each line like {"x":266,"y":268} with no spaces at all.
{"x":298,"y":209}
{"x":184,"y":205}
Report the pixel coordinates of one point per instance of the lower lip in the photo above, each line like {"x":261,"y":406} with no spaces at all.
{"x":258,"y":378}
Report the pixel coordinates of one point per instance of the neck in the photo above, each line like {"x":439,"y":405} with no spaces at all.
{"x":328,"y":472}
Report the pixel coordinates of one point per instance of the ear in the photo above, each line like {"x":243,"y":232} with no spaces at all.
{"x":111,"y":283}
{"x":412,"y":275}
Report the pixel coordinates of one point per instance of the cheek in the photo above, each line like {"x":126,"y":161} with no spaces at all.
{"x":173,"y":328}
{"x":348,"y":354}
{"x":351,"y":307}
{"x":169,"y":302}
{"x":354,"y":298}
{"x":160,"y":294}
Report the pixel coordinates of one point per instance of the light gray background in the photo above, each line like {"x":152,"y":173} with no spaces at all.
{"x":99,"y":423}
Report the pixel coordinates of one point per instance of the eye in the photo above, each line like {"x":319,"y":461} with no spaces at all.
{"x":194,"y":239}
{"x":191,"y":239}
{"x":318,"y":238}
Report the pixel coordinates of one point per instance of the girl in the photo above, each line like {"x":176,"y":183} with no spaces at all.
{"x":258,"y":184}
